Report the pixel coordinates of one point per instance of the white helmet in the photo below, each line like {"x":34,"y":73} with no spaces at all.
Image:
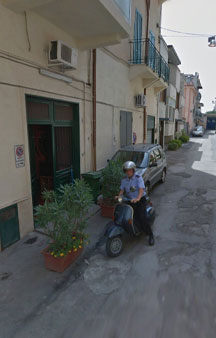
{"x":129,"y":165}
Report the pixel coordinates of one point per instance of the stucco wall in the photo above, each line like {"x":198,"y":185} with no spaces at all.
{"x":23,"y":51}
{"x":20,"y":76}
{"x":115,"y":92}
{"x":190,"y":97}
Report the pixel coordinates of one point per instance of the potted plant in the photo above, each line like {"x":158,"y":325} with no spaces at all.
{"x":110,"y":186}
{"x":64,"y":218}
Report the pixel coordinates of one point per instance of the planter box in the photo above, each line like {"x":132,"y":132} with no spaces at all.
{"x":59,"y":264}
{"x":107,"y":210}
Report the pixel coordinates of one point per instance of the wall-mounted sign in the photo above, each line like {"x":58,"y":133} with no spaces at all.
{"x":19,"y":156}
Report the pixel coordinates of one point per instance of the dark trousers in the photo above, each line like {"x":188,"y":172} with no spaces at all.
{"x":141,"y":216}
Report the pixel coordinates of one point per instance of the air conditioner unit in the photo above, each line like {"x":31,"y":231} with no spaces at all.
{"x":60,"y":53}
{"x":140,"y":100}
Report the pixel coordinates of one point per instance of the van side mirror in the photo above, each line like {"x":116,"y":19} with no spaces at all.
{"x":108,"y":160}
{"x":153,"y":165}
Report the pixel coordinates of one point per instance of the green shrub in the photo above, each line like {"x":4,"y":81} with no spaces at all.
{"x":64,"y":217}
{"x":111,"y":181}
{"x":172,"y":146}
{"x":178,"y":142}
{"x":184,"y":138}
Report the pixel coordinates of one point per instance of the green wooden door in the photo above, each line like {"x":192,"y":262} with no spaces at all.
{"x":63,"y":119}
{"x":34,"y":179}
{"x":63,"y":155}
{"x":9,"y":226}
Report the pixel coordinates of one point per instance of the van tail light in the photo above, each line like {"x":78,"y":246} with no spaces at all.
{"x":130,"y":221}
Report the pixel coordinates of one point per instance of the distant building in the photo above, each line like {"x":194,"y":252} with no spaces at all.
{"x":171,"y":100}
{"x":192,"y":112}
{"x":211,"y":120}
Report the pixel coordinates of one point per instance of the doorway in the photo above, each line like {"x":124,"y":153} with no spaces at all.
{"x":162,"y":133}
{"x":54,"y":144}
{"x":40,"y":142}
{"x":125,"y":128}
{"x":150,"y":129}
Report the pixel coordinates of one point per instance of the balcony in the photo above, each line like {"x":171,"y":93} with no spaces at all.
{"x":91,"y":23}
{"x":148,"y":63}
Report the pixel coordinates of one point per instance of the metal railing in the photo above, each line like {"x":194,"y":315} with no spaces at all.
{"x":143,"y":52}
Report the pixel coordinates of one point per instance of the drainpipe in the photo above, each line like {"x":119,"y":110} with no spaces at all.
{"x":146,"y":54}
{"x":94,"y":107}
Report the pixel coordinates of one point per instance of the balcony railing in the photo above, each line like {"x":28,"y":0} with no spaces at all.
{"x":143,"y":52}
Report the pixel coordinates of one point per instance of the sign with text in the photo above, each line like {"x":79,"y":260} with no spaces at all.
{"x":19,"y":156}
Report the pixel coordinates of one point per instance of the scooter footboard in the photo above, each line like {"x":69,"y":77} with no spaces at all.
{"x":114,"y":230}
{"x":150,"y":213}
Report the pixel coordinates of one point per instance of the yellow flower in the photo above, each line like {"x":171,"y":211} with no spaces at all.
{"x":55,"y":256}
{"x":73,"y":237}
{"x":61,"y":254}
{"x":69,"y":251}
{"x":52,"y":253}
{"x":81,"y":241}
{"x":80,"y":247}
{"x":75,"y":249}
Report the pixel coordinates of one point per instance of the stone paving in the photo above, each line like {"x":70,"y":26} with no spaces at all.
{"x":165,"y":291}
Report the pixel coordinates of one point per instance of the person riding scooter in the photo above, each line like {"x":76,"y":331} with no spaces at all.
{"x":133,"y":187}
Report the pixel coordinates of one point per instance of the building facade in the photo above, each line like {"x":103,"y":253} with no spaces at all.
{"x":138,"y":70}
{"x":61,"y":119}
{"x":171,"y":100}
{"x":192,"y":101}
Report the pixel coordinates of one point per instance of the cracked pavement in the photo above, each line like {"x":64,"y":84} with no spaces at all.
{"x":165,"y":291}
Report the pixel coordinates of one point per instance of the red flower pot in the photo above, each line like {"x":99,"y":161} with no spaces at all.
{"x":59,"y":264}
{"x":107,"y":210}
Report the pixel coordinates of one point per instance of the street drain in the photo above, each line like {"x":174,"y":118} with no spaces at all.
{"x":31,"y":240}
{"x":6,"y":275}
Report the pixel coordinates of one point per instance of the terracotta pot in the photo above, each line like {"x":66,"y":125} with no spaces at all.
{"x":107,"y":210}
{"x":59,"y":264}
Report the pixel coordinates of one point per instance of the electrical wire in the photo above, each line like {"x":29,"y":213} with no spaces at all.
{"x":187,"y":33}
{"x":183,"y":36}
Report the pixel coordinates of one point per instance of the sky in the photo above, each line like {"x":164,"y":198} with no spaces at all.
{"x":194,"y":16}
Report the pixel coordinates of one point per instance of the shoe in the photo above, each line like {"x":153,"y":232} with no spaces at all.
{"x":151,"y":240}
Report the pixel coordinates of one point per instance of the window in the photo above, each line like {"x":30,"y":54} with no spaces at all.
{"x":157,"y":154}
{"x":171,"y":113}
{"x":163,"y":95}
{"x":152,"y":158}
{"x":161,"y":152}
{"x":138,"y":157}
{"x":37,"y":110}
{"x":64,"y":112}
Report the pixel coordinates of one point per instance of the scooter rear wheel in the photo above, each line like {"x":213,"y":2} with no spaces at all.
{"x":114,"y":246}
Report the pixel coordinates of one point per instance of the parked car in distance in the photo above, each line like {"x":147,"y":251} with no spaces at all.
{"x":150,"y":161}
{"x":198,"y":131}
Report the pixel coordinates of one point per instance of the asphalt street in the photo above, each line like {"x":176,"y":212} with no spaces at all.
{"x":165,"y":291}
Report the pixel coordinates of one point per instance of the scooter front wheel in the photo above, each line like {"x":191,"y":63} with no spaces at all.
{"x":114,"y":246}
